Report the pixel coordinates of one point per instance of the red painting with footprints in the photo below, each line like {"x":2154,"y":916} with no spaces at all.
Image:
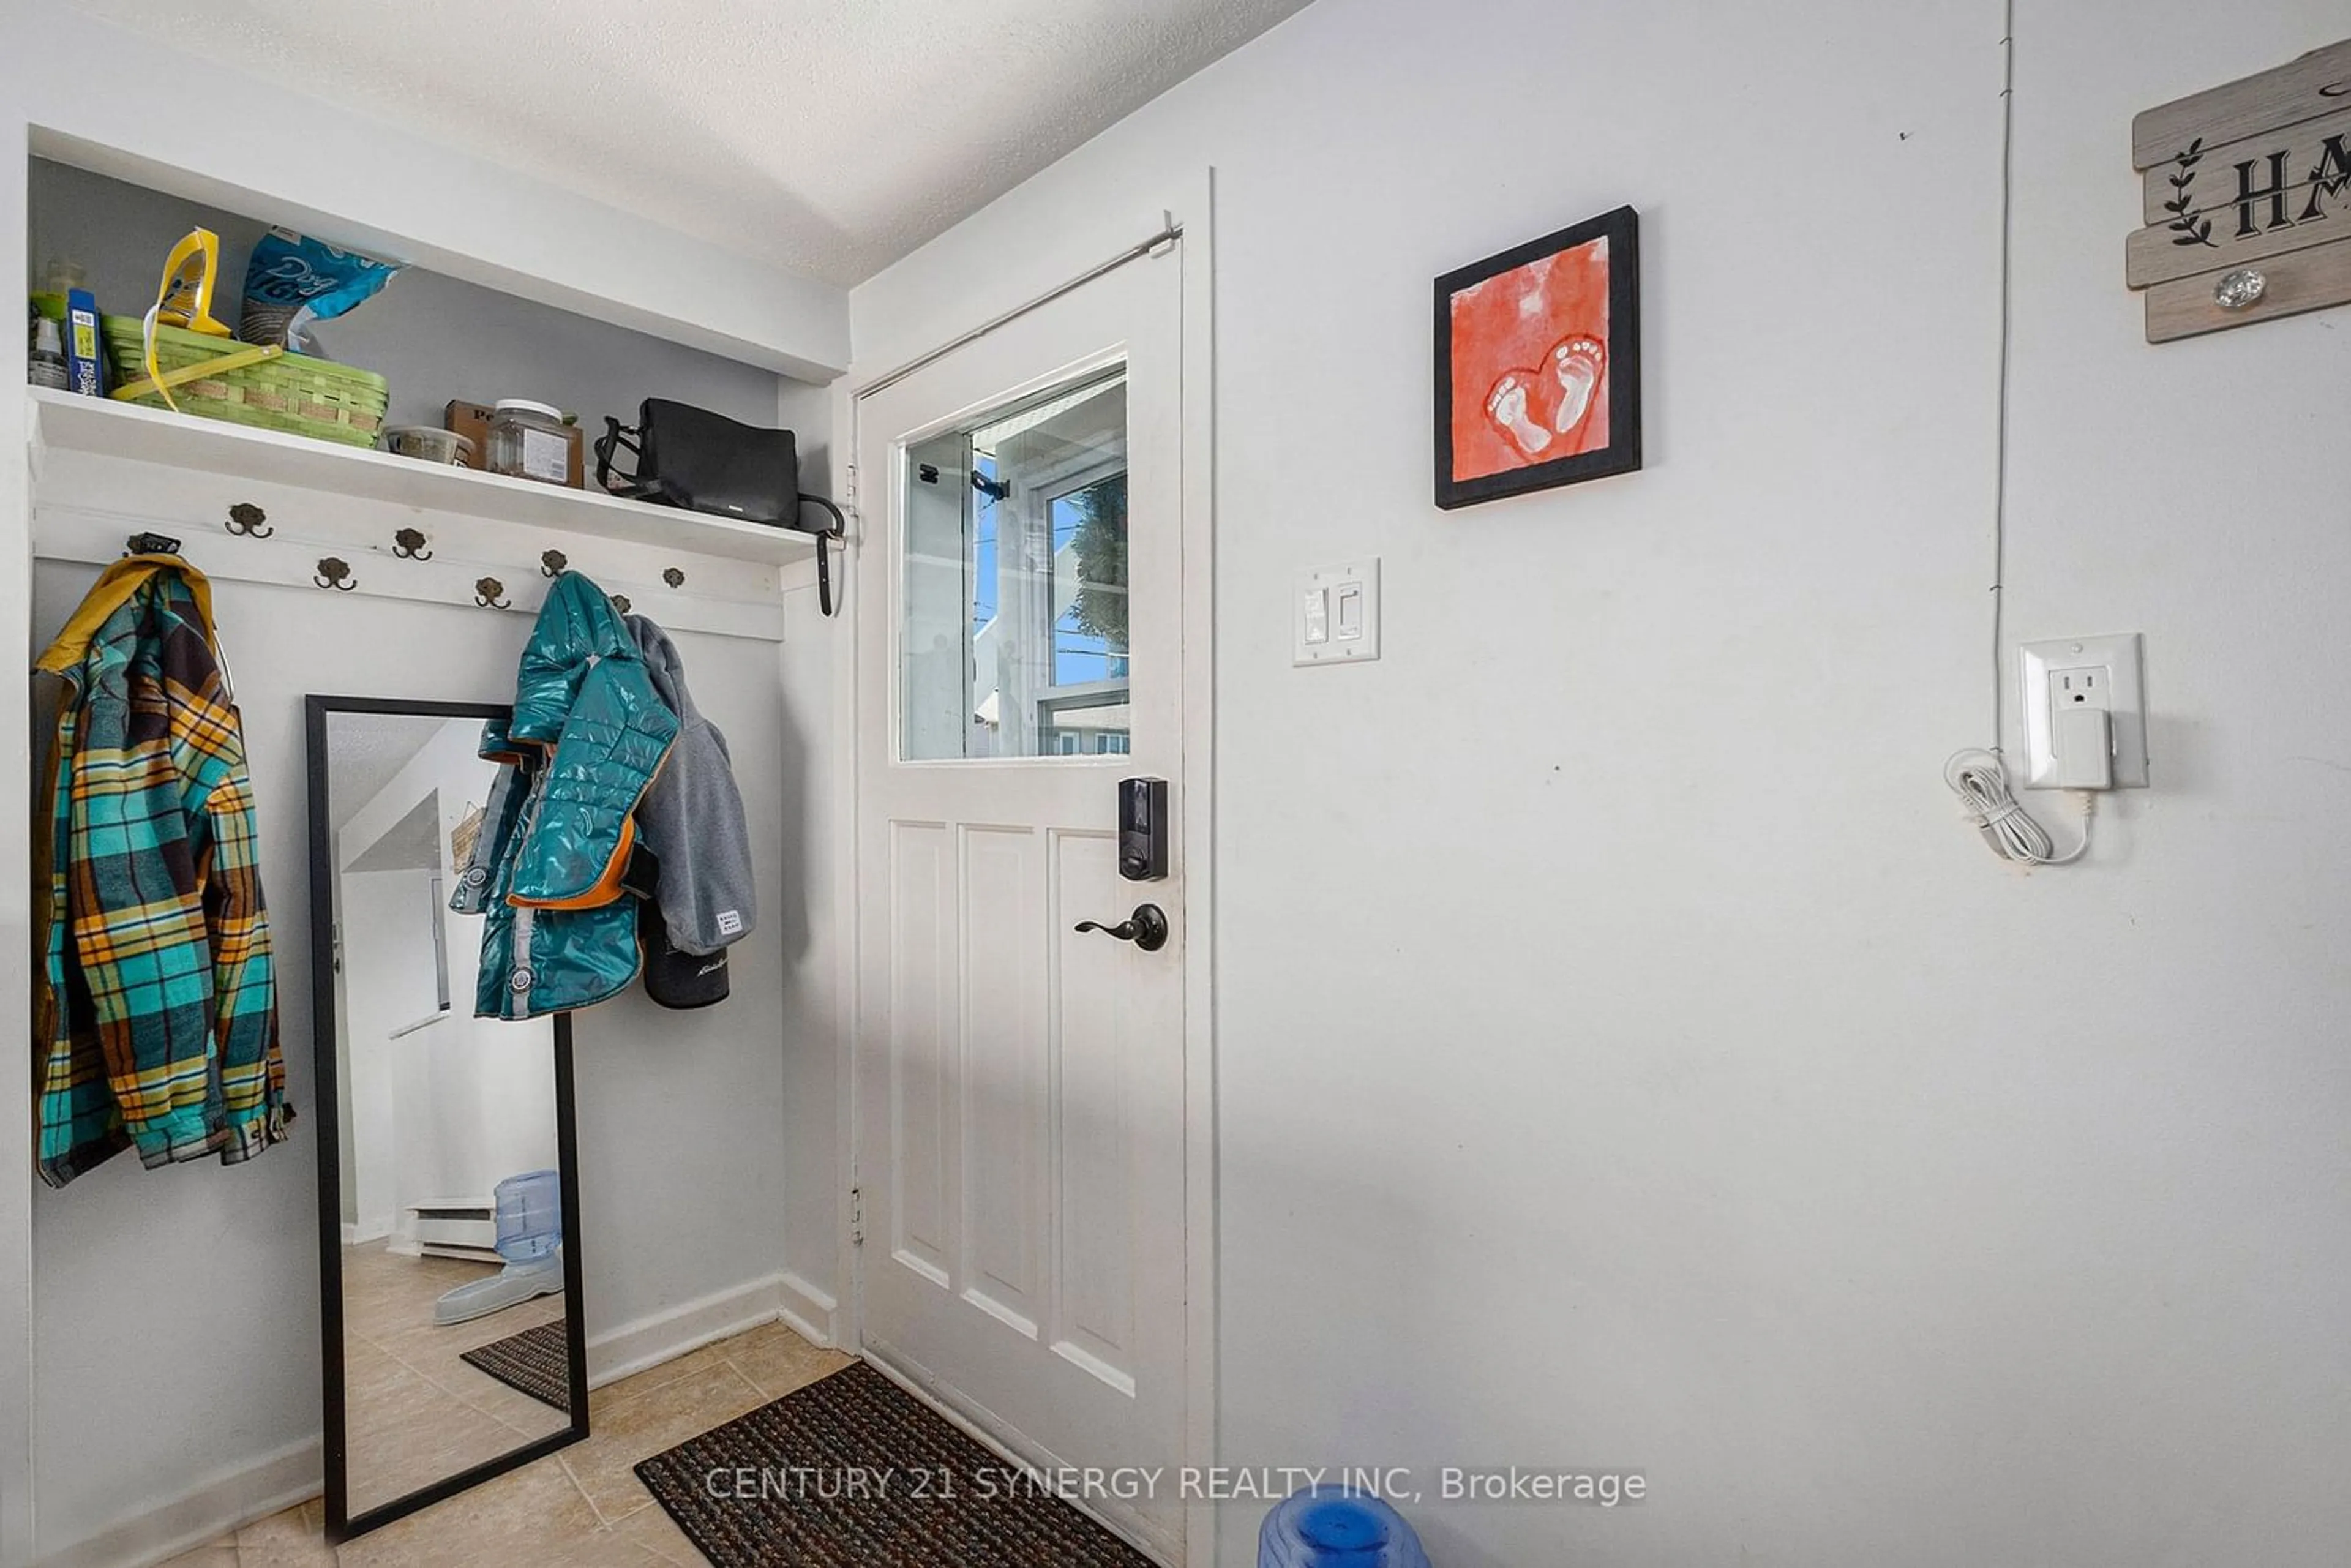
{"x":1530,"y":363}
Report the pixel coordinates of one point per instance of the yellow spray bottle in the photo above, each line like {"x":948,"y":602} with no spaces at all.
{"x":184,"y":298}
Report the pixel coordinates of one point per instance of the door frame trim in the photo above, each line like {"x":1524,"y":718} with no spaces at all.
{"x":1189,"y":213}
{"x":1198,"y":435}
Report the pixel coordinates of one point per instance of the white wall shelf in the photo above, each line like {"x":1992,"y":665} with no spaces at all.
{"x":97,"y":426}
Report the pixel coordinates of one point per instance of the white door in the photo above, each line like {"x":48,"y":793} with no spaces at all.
{"x":1020,"y":1084}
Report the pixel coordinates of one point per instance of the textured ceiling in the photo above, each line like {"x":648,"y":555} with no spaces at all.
{"x":365,"y":751}
{"x":829,"y":137}
{"x":413,"y":843}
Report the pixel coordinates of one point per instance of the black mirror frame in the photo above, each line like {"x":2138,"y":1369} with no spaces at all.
{"x":341,"y":1525}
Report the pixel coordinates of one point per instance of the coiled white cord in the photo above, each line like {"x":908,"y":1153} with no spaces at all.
{"x":1980,"y":779}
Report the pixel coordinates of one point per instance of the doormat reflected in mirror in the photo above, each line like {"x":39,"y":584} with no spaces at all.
{"x":536,"y":1361}
{"x":853,"y":1471}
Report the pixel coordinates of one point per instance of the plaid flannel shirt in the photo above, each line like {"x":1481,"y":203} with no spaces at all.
{"x":157,"y":1005}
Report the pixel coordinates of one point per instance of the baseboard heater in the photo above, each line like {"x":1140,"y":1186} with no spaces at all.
{"x":464,"y":1229}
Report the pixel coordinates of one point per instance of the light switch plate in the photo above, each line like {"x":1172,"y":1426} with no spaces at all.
{"x":1335,"y":613}
{"x":2084,"y":671}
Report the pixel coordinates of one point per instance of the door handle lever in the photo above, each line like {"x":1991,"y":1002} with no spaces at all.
{"x":1146,"y":928}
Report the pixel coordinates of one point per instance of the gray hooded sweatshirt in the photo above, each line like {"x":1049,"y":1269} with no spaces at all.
{"x":692,"y":818}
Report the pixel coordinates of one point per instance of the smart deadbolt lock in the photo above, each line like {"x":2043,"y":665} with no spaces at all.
{"x":1143,"y":828}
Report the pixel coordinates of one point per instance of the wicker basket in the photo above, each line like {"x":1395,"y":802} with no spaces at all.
{"x":465,"y":834}
{"x":294,"y":393}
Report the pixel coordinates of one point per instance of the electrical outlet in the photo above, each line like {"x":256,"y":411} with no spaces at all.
{"x":2086,"y":686}
{"x":2080,"y":674}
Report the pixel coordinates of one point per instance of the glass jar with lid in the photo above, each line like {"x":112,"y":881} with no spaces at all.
{"x":529,"y":441}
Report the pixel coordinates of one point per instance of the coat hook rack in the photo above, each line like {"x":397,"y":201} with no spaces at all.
{"x":250,"y":521}
{"x":408,"y":544}
{"x":491,"y":594}
{"x":554,"y":563}
{"x":150,"y":544}
{"x":336,"y":573}
{"x":673,"y":577}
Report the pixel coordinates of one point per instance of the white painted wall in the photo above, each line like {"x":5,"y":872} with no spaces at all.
{"x":806,"y":919}
{"x":1624,"y":1056}
{"x":681,"y":1177}
{"x":383,"y":944}
{"x":446,"y":1112}
{"x":15,"y":891}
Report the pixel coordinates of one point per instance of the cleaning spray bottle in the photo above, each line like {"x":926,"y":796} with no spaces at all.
{"x":46,"y":365}
{"x":186,"y":299}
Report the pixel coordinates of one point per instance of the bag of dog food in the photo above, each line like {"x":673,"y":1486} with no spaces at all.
{"x":294,"y":281}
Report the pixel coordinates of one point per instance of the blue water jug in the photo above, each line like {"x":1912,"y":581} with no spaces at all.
{"x":530,"y":1215}
{"x":1332,"y":1527}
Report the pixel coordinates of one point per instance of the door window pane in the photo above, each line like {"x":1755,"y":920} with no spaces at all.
{"x":1013,"y":637}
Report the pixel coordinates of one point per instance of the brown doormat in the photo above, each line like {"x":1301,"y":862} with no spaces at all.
{"x":786,"y":1474}
{"x":536,"y":1361}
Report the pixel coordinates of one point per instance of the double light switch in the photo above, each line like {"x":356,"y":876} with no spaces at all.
{"x":1338,"y":614}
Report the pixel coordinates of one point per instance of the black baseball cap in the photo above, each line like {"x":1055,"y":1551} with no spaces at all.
{"x":675,"y":977}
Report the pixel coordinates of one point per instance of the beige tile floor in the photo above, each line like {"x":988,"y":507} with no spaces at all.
{"x":415,"y":1410}
{"x":579,"y":1508}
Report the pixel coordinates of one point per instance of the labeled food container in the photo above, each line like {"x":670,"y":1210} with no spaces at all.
{"x":528,"y":441}
{"x":530,"y":1215}
{"x":429,"y":444}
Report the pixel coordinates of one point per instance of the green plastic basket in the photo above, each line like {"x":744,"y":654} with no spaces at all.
{"x":293,"y":392}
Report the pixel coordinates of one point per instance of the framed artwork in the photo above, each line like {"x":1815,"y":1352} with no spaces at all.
{"x":1539,"y":364}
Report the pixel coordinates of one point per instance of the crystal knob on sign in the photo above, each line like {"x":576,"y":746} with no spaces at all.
{"x":2240,"y":289}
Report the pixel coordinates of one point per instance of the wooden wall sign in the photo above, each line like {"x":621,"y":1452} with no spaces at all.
{"x":2248,"y":199}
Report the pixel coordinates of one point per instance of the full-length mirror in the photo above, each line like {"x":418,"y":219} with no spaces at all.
{"x":448,"y":1224}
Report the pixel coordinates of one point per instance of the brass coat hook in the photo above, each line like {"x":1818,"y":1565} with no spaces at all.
{"x":336,"y":573}
{"x":248,"y":520}
{"x":491,"y":594}
{"x":621,"y":602}
{"x":408,"y":544}
{"x":554,"y":563}
{"x":673,"y":577}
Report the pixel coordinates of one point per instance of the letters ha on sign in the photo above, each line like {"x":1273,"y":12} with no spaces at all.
{"x":2248,"y":199}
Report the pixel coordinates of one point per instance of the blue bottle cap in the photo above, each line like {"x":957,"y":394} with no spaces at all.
{"x":1341,"y":1524}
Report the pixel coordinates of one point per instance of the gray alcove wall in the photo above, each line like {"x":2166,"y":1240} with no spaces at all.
{"x":433,"y":337}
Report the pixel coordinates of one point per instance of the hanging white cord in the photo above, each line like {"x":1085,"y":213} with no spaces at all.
{"x":1979,"y":776}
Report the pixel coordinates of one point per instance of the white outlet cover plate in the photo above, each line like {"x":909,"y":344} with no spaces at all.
{"x":1348,"y":596}
{"x":2118,"y":655}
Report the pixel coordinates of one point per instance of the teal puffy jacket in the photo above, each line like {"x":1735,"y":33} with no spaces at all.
{"x":589,"y":733}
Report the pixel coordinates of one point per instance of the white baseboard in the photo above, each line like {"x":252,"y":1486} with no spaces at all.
{"x":807,"y":1310}
{"x":367,"y":1231}
{"x":204,"y":1512}
{"x":234,"y":1498}
{"x":664,"y":1336}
